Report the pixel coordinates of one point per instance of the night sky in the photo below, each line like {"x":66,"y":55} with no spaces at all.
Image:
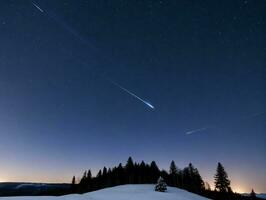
{"x":201,"y":64}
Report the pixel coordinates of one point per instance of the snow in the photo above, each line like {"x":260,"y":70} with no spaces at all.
{"x":124,"y":192}
{"x":263,"y":196}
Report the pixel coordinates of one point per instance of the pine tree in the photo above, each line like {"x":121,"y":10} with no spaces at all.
{"x":89,"y":176}
{"x":104,"y":171}
{"x":89,"y":180}
{"x":222,"y":183}
{"x":130,"y":163}
{"x":120,"y":175}
{"x":130,"y":171}
{"x":252,"y":194}
{"x":192,"y":180}
{"x":173,"y":168}
{"x":161,"y":185}
{"x":104,"y":177}
{"x":73,"y":182}
{"x":173,"y":172}
{"x":99,"y":175}
{"x":83,"y":183}
{"x":197,"y":180}
{"x":155,"y":172}
{"x":142,"y":173}
{"x":83,"y":179}
{"x":186,"y":179}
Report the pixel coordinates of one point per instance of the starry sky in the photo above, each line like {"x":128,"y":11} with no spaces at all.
{"x":201,"y":64}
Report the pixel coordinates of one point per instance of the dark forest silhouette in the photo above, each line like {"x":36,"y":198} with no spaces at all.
{"x":188,"y":179}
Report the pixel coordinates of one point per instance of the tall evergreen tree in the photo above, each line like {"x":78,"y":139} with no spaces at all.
{"x":120,"y":176}
{"x":155,"y":172}
{"x":130,"y":171}
{"x":173,"y":172}
{"x":99,"y":175}
{"x":83,"y":179}
{"x":130,"y":163}
{"x":89,"y":180}
{"x":252,"y":194}
{"x":222,"y":183}
{"x":73,"y":182}
{"x":192,"y":180}
{"x":104,"y":171}
{"x":173,"y":168}
{"x":142,"y":173}
{"x":89,"y":176}
{"x":197,"y":181}
{"x":83,"y":182}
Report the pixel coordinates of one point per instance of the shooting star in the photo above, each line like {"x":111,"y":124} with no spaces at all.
{"x":197,"y":130}
{"x":254,"y":115}
{"x":62,"y":23}
{"x":38,"y":7}
{"x":132,"y":94}
{"x":65,"y":26}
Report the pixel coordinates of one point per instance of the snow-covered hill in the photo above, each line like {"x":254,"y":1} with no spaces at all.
{"x":125,"y":192}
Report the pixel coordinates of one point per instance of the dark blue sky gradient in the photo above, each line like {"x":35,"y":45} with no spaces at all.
{"x":200,"y":63}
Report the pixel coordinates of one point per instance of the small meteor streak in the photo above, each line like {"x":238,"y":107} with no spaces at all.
{"x":197,"y":130}
{"x":38,"y":7}
{"x":62,"y":23}
{"x":132,"y":94}
{"x":255,"y":115}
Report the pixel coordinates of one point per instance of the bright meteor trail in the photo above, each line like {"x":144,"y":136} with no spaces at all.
{"x":197,"y":130}
{"x":132,"y":94}
{"x":38,"y":7}
{"x":84,"y":41}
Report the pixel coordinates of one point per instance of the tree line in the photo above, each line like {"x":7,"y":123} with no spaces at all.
{"x":188,"y":178}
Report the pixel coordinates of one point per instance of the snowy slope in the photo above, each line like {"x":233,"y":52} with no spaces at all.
{"x":125,"y":192}
{"x":263,"y":196}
